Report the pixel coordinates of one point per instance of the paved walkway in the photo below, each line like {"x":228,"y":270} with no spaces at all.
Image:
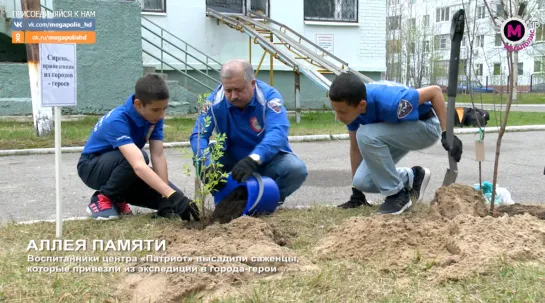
{"x":27,"y":183}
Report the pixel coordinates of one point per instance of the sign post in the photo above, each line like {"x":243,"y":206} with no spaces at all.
{"x":58,"y":82}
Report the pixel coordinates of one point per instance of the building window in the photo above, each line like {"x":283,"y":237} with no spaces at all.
{"x":497,"y":40}
{"x":441,"y":41}
{"x":394,"y":23}
{"x":426,"y":46}
{"x":154,"y":6}
{"x":520,"y":69}
{"x":411,"y":47}
{"x":539,"y":64}
{"x":540,"y":33}
{"x":497,"y":69}
{"x":394,"y":46}
{"x":442,"y":14}
{"x":479,"y":69}
{"x":499,"y":10}
{"x":393,"y":2}
{"x":412,"y":23}
{"x":426,"y":20}
{"x":331,"y":10}
{"x":480,"y":41}
{"x":480,"y":12}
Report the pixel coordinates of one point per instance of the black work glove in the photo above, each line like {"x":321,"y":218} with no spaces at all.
{"x":190,"y":211}
{"x":172,"y":206}
{"x":456,"y":150}
{"x":244,"y":169}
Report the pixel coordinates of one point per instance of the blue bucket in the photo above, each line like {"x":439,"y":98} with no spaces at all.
{"x":263,"y":194}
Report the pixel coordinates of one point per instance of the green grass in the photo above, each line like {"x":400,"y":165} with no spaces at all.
{"x":20,"y":135}
{"x":335,"y":280}
{"x":489,"y":98}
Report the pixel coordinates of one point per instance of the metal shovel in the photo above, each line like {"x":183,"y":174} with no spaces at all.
{"x":456,"y":35}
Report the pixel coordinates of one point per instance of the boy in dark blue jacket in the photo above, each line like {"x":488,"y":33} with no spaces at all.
{"x":254,"y":120}
{"x":114,"y":163}
{"x":385,"y":121}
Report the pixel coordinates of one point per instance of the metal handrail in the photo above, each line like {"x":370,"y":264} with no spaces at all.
{"x":269,"y":46}
{"x":296,"y":45}
{"x":178,"y":38}
{"x":187,"y":75}
{"x":185,"y":52}
{"x":304,"y":49}
{"x":299,"y":36}
{"x":162,"y":50}
{"x":43,"y":6}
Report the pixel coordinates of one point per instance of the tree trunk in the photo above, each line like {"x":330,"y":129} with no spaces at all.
{"x":42,"y":116}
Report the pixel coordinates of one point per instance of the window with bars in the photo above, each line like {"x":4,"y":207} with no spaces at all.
{"x":154,"y":6}
{"x":331,"y":10}
{"x":226,"y":6}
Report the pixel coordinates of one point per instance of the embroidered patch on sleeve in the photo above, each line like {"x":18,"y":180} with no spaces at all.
{"x":275,"y":105}
{"x":404,"y":108}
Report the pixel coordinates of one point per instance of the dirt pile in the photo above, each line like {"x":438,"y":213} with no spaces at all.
{"x":222,"y":255}
{"x":453,"y":240}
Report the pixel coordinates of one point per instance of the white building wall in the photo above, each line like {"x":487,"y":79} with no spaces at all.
{"x":361,"y":44}
{"x":486,"y":55}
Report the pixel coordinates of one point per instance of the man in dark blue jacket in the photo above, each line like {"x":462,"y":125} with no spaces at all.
{"x":254,"y":120}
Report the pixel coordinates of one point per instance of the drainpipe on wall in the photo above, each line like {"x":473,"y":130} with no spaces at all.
{"x":42,"y":116}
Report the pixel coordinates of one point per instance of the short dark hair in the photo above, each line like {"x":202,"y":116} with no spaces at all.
{"x":348,"y":88}
{"x":151,"y":87}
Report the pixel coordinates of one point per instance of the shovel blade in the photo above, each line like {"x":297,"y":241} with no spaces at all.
{"x":450,"y":177}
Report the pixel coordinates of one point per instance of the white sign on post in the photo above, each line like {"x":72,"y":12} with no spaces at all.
{"x":58,"y":86}
{"x":325,"y":41}
{"x":58,"y":74}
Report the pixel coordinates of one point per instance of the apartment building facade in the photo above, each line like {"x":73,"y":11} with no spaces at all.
{"x":418,"y":43}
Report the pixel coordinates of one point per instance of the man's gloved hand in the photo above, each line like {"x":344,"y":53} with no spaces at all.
{"x":244,"y":169}
{"x":456,"y":150}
